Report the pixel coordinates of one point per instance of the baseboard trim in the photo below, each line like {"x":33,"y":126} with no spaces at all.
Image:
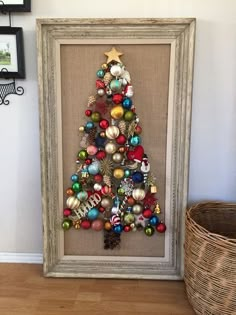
{"x":23,"y":258}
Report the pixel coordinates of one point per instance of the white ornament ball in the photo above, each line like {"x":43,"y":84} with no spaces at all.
{"x":100,"y":92}
{"x":72,"y":202}
{"x":112,"y":132}
{"x":116,"y":70}
{"x":138,"y":194}
{"x":115,"y":210}
{"x":97,"y":187}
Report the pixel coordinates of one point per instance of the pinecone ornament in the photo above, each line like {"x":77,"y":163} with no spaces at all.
{"x":122,"y":126}
{"x":107,"y":78}
{"x":107,"y":180}
{"x":111,"y":240}
{"x":91,"y":101}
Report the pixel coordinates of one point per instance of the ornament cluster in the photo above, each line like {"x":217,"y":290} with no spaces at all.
{"x":112,"y":189}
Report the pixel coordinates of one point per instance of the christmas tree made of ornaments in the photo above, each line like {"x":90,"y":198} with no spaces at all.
{"x":113,"y":189}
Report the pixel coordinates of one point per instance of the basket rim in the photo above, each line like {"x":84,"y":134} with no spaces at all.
{"x":201,"y":229}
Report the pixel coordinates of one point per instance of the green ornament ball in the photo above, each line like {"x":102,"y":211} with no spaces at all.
{"x":129,"y":218}
{"x":149,"y":230}
{"x":115,"y":85}
{"x":96,"y":117}
{"x":82,"y":154}
{"x":127,"y":173}
{"x":129,"y":115}
{"x":66,"y":224}
{"x":121,"y":191}
{"x":77,"y":187}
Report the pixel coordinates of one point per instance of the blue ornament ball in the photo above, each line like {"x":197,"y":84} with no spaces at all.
{"x":137,"y":177}
{"x":93,"y":214}
{"x":127,"y":103}
{"x":154,"y":220}
{"x":94,"y":168}
{"x":118,"y":228}
{"x":74,"y":178}
{"x":116,"y":202}
{"x":135,"y":140}
{"x":82,"y":195}
{"x":100,"y":141}
{"x":100,"y":73}
{"x":89,"y":125}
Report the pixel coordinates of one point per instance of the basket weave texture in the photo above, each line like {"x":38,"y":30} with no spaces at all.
{"x":210,"y":258}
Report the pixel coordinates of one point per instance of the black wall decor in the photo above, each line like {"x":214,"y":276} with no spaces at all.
{"x":15,"y":6}
{"x":12,"y":64}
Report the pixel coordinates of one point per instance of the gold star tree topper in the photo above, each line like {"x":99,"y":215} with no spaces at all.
{"x":113,"y":55}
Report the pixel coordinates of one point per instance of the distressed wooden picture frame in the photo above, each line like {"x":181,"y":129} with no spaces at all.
{"x":52,"y":34}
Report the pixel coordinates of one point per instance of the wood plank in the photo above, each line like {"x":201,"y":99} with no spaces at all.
{"x":24,"y":291}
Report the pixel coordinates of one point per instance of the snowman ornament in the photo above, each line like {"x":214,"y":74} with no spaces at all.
{"x":145,"y":167}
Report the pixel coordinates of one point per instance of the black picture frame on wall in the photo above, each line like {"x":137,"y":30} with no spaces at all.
{"x":15,"y":5}
{"x":12,"y":61}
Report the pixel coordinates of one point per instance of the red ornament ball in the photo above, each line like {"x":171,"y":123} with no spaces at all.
{"x":101,"y":209}
{"x":104,"y":124}
{"x":130,"y":201}
{"x":121,"y":139}
{"x":88,"y":112}
{"x":127,"y":228}
{"x":88,"y":161}
{"x":147,"y":213}
{"x":67,"y":212}
{"x":97,"y":225}
{"x":161,"y":227}
{"x":106,"y":190}
{"x":100,"y":84}
{"x":90,"y":193}
{"x":117,"y":98}
{"x":98,"y":178}
{"x":138,"y":130}
{"x":85,"y":224}
{"x":101,"y":155}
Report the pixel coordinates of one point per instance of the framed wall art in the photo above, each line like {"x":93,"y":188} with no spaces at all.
{"x":12,"y":64}
{"x":15,"y":5}
{"x":80,"y":57}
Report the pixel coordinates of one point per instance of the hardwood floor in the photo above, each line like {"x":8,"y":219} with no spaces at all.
{"x":24,"y":291}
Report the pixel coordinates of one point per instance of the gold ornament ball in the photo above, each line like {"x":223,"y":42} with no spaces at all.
{"x":81,"y":128}
{"x":107,"y":226}
{"x":117,"y":112}
{"x":117,"y":157}
{"x":110,"y":148}
{"x":118,"y":173}
{"x":138,"y":194}
{"x":104,"y":66}
{"x":106,"y":202}
{"x":112,"y":132}
{"x":137,"y":208}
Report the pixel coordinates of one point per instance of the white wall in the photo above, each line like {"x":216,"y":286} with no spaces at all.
{"x":213,"y":146}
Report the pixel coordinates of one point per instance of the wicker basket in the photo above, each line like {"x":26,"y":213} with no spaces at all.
{"x":210,"y":258}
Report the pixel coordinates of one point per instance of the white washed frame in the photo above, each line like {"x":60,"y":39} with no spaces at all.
{"x":180,"y":34}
